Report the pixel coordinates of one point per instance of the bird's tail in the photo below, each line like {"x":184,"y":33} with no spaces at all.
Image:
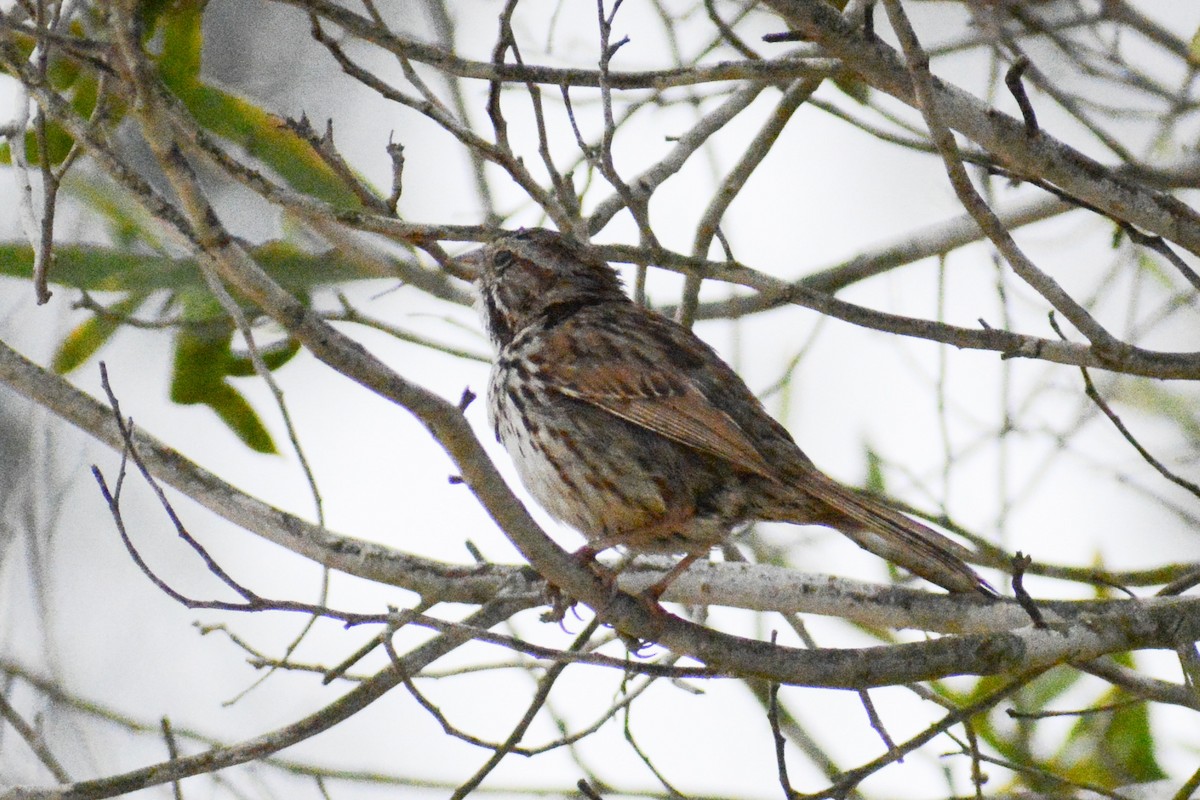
{"x":889,"y":534}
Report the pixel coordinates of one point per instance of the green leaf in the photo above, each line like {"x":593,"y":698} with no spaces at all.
{"x":96,"y":268}
{"x":260,"y":134}
{"x":1111,"y":748}
{"x":1013,"y":742}
{"x":265,"y":137}
{"x":202,"y":364}
{"x":1173,"y":406}
{"x":235,"y":412}
{"x":200,"y":361}
{"x":274,"y":356}
{"x":81,"y":89}
{"x":118,"y":269}
{"x":1151,"y":264}
{"x":182,"y":43}
{"x":1038,"y":695}
{"x":1108,"y":748}
{"x":128,"y":221}
{"x":875,"y":481}
{"x":92,"y":334}
{"x":149,"y":13}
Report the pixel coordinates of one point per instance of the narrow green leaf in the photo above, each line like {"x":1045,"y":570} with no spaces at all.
{"x":236,"y":413}
{"x":1012,"y":738}
{"x":200,"y":364}
{"x":1110,"y":748}
{"x":115,"y":269}
{"x":128,"y":221}
{"x":203,"y":359}
{"x":236,"y":119}
{"x":1166,"y":403}
{"x":1154,"y":268}
{"x":149,"y":12}
{"x":92,"y":334}
{"x":274,"y":356}
{"x":67,"y":77}
{"x":182,"y":43}
{"x":265,"y":137}
{"x":58,"y":142}
{"x":875,"y":481}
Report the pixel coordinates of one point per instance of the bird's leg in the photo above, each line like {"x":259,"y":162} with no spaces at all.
{"x":586,"y":557}
{"x":647,"y":537}
{"x":650,"y":538}
{"x":657,"y":588}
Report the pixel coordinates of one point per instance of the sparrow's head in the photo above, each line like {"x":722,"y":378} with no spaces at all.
{"x":535,"y":275}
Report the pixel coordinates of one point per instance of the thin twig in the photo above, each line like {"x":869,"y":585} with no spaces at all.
{"x":1187,"y":790}
{"x":543,"y":691}
{"x":1079,"y":712}
{"x":918,"y":65}
{"x":1045,"y":774}
{"x":34,"y":739}
{"x":173,"y":754}
{"x":1090,"y":390}
{"x":643,"y":756}
{"x":785,"y":782}
{"x":852,"y":778}
{"x":1012,"y":79}
{"x":1019,"y":562}
{"x":978,"y":778}
{"x":756,"y":151}
{"x":1160,"y":246}
{"x":876,"y":721}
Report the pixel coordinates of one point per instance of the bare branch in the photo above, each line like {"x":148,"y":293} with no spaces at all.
{"x":1042,"y":156}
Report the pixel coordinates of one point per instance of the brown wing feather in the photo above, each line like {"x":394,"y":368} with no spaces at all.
{"x":670,"y":406}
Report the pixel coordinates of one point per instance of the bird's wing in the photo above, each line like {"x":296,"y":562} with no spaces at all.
{"x":665,"y":402}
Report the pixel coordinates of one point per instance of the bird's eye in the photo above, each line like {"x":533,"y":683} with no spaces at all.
{"x":502,"y":259}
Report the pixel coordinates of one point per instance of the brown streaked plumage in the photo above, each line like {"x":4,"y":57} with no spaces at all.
{"x":629,"y":428}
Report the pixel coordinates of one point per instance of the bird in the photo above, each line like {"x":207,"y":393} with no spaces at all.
{"x":627,"y":427}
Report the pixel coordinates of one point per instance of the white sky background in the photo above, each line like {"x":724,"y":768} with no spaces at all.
{"x":825,"y":193}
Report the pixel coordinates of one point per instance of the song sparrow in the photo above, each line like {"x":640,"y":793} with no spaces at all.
{"x":626,"y":426}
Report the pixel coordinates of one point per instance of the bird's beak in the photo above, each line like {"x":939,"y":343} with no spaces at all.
{"x":471,"y":263}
